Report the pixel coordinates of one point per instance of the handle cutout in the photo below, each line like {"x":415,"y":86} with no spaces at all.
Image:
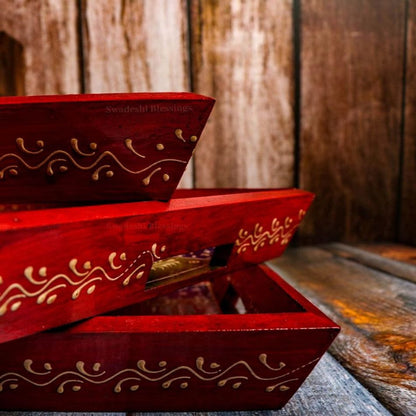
{"x":185,"y":266}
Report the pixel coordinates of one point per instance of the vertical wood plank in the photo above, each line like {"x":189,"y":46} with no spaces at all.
{"x":243,"y":56}
{"x":43,"y":33}
{"x":408,"y":203}
{"x":352,"y":67}
{"x":136,"y":46}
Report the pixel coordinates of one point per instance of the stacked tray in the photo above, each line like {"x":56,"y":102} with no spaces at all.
{"x":250,"y":339}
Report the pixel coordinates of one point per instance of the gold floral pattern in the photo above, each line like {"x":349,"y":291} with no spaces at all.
{"x":280,"y":231}
{"x":78,"y":279}
{"x":131,"y":379}
{"x":103,"y":165}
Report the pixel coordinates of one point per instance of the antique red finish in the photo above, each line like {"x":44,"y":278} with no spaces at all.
{"x":60,"y":263}
{"x":64,"y":264}
{"x":97,"y":147}
{"x":196,"y":362}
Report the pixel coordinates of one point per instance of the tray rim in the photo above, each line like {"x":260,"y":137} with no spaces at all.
{"x":310,"y":319}
{"x":103,"y":98}
{"x":16,"y":220}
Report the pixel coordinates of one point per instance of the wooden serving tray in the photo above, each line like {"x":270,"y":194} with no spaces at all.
{"x":229,"y":361}
{"x":61,"y":265}
{"x":97,"y":147}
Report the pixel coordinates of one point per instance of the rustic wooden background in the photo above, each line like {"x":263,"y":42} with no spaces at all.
{"x":319,"y":94}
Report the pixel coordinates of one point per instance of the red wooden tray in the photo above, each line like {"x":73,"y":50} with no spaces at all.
{"x":195,"y":362}
{"x":97,"y":147}
{"x":61,"y":265}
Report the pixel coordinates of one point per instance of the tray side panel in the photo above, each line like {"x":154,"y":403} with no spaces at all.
{"x":170,"y":363}
{"x":103,"y":150}
{"x":220,"y":370}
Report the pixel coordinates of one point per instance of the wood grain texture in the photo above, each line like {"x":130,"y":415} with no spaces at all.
{"x":352,"y":67}
{"x":60,"y":414}
{"x":47,"y":33}
{"x":395,"y":267}
{"x":407,"y":232}
{"x":405,"y":254}
{"x":136,"y":46}
{"x":376,"y":313}
{"x":329,"y":390}
{"x":242,"y":56}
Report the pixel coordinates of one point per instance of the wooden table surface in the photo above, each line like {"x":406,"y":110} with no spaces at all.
{"x":370,"y":290}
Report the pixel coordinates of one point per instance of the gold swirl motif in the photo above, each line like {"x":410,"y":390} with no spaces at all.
{"x":146,"y":180}
{"x":21,"y":146}
{"x":278,"y":232}
{"x":44,"y":289}
{"x":61,"y":158}
{"x":75,"y":147}
{"x":234,"y":375}
{"x":178,"y":134}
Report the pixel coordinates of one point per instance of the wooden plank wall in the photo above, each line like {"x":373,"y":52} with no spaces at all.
{"x":352,"y":69}
{"x":312,"y":93}
{"x":242,"y":55}
{"x":408,"y":206}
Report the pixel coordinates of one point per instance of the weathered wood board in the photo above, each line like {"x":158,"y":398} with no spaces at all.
{"x":405,"y":254}
{"x":376,"y":313}
{"x":407,"y":230}
{"x":12,"y":74}
{"x":349,"y":71}
{"x":351,"y":100}
{"x":329,"y":389}
{"x":41,"y":37}
{"x":242,"y":55}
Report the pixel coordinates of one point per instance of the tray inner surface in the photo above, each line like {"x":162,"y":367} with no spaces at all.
{"x":237,"y":293}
